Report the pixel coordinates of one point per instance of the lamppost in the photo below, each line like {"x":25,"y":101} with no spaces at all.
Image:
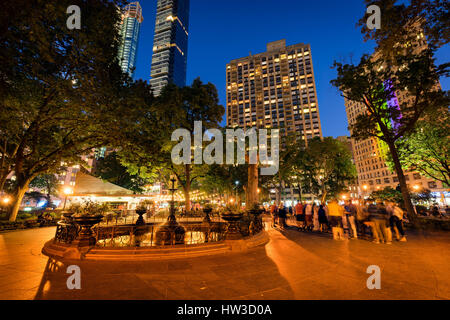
{"x":171,"y":232}
{"x":237,"y":184}
{"x":5,"y":201}
{"x":67,"y":191}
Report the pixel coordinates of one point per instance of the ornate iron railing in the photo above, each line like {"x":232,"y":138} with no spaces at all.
{"x":66,"y":232}
{"x":146,"y":235}
{"x":132,"y":235}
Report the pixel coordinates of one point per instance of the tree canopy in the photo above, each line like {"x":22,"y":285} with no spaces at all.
{"x":62,"y":91}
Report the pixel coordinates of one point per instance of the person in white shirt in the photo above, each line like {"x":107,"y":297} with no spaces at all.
{"x":395,"y":221}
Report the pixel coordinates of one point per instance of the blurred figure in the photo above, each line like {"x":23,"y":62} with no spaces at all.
{"x":282,"y":214}
{"x":378,"y":217}
{"x":308,"y":216}
{"x":396,"y":222}
{"x":323,"y":221}
{"x":274,"y":213}
{"x":362,"y":217}
{"x":435,"y":211}
{"x":335,"y":211}
{"x":299,"y":215}
{"x":315,"y":210}
{"x":350,"y":211}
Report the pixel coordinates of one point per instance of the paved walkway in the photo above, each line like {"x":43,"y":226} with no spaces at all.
{"x":293,"y":265}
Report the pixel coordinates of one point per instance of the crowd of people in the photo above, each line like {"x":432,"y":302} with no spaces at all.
{"x":377,"y":221}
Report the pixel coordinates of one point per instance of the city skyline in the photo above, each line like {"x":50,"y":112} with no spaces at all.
{"x":210,"y":36}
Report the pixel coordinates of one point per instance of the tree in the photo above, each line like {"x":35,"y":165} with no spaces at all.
{"x":387,"y":194}
{"x":62,"y":91}
{"x":178,"y":108}
{"x":399,"y":63}
{"x":328,"y":166}
{"x":110,"y":169}
{"x":426,"y":150}
{"x":48,"y":183}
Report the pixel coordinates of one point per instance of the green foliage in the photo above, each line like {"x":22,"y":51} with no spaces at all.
{"x":89,"y":208}
{"x":387,"y":194}
{"x":426,"y":150}
{"x":175,"y":108}
{"x":110,"y":169}
{"x":47,"y":182}
{"x":323,"y":168}
{"x":62,"y":91}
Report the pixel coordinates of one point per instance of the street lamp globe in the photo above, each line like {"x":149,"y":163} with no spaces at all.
{"x":67,"y":190}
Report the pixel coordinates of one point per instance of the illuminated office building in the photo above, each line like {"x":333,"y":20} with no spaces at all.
{"x":274,"y":89}
{"x":129,"y":33}
{"x":170,"y":44}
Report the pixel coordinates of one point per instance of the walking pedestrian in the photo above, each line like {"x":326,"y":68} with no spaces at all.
{"x":396,"y":222}
{"x":350,"y":211}
{"x":274,"y":213}
{"x":323,"y":221}
{"x":282,"y":214}
{"x":299,"y":215}
{"x":335,"y":211}
{"x":308,"y":216}
{"x":315,"y":210}
{"x":378,"y":216}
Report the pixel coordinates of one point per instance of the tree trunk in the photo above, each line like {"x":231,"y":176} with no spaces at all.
{"x":402,"y":181}
{"x":187,"y":188}
{"x":324,"y":196}
{"x":252,"y":185}
{"x":2,"y":181}
{"x":18,"y":197}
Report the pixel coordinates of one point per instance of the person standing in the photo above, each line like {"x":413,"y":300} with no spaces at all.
{"x":274,"y":214}
{"x":378,"y":217}
{"x":282,"y":214}
{"x":396,"y":222}
{"x":315,"y":210}
{"x":308,"y":216}
{"x":350,"y":211}
{"x":362,"y":216}
{"x":323,"y":221}
{"x":299,"y":215}
{"x":335,"y":211}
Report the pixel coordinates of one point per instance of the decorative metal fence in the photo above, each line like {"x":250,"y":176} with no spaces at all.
{"x":142,"y":236}
{"x":66,"y":232}
{"x":196,"y":231}
{"x":146,"y":235}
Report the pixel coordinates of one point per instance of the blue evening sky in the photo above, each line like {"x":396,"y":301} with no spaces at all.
{"x":223,"y":30}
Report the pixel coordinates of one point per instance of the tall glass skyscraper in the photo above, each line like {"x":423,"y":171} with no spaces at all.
{"x":170,"y":44}
{"x":129,"y":32}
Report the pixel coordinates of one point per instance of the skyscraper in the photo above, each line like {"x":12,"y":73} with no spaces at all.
{"x":274,"y":89}
{"x":129,"y":33}
{"x":170,"y":44}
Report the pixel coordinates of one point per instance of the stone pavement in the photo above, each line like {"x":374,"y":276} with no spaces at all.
{"x":293,"y":265}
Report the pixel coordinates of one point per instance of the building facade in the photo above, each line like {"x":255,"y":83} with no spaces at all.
{"x":129,"y":33}
{"x":170,"y":44}
{"x":274,"y":89}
